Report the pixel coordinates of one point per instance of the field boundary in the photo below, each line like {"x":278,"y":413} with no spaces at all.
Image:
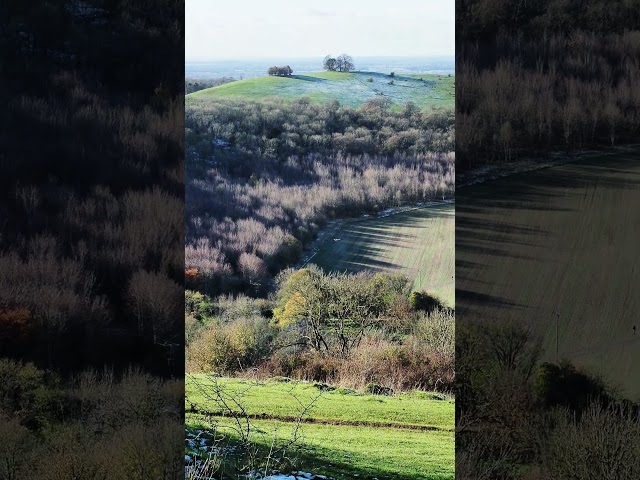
{"x":318,"y":421}
{"x":554,"y":159}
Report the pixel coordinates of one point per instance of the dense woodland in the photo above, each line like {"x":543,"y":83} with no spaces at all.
{"x":548,"y":74}
{"x":91,"y":257}
{"x":263,"y":178}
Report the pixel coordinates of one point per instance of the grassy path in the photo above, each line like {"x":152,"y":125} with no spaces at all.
{"x":284,"y":400}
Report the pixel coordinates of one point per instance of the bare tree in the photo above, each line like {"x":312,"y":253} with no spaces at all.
{"x":344,"y":63}
{"x":329,"y":63}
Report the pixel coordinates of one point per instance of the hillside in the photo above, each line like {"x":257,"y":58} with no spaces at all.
{"x":417,"y":243}
{"x":351,"y":89}
{"x":568,"y":254}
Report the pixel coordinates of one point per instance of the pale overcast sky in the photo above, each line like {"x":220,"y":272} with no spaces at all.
{"x":243,"y":29}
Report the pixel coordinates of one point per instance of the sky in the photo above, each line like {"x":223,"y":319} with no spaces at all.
{"x":254,"y":29}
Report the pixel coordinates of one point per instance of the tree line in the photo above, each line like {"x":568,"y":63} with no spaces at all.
{"x":195,"y":85}
{"x":573,"y":86}
{"x":320,"y":327}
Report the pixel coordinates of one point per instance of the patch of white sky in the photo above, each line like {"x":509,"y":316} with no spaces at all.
{"x":254,"y":29}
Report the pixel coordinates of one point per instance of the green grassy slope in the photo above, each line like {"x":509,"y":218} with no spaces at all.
{"x":418,"y":243}
{"x":560,"y":239}
{"x":339,"y":440}
{"x":278,"y":399}
{"x":351,"y":89}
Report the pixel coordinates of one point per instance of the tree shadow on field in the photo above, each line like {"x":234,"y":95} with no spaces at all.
{"x":365,"y":257}
{"x":307,"y":78}
{"x":485,"y":299}
{"x":517,"y":218}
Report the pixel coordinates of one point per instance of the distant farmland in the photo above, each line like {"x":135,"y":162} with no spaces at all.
{"x":350,"y":89}
{"x":418,"y":243}
{"x":559,"y":244}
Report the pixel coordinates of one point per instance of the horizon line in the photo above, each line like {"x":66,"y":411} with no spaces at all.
{"x":235,"y":59}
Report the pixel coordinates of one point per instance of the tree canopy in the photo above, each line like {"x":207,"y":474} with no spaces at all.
{"x":280,"y":71}
{"x":343,"y":63}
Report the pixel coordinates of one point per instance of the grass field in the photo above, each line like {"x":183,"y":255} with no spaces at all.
{"x":351,"y":89}
{"x":345,"y":434}
{"x":418,"y":243}
{"x":559,"y":240}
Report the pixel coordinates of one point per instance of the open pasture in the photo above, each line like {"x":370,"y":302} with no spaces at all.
{"x":418,"y":243}
{"x":350,"y":89}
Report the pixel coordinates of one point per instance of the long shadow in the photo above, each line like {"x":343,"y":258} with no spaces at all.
{"x":307,"y":78}
{"x":510,"y":217}
{"x":463,"y":296}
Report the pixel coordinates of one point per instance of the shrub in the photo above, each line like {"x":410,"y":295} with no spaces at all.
{"x":210,"y":352}
{"x":324,"y":387}
{"x":426,"y":301}
{"x":564,"y":385}
{"x":225,"y":348}
{"x":376,"y":389}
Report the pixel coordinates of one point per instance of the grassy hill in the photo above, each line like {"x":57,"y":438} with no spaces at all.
{"x":351,"y":89}
{"x":560,"y":240}
{"x":345,"y":434}
{"x":417,"y":243}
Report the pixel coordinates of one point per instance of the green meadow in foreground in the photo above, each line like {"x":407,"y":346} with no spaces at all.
{"x":343,"y":434}
{"x":418,"y":243}
{"x":350,"y":89}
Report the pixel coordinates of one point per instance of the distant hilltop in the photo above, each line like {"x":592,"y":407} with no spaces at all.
{"x":348,"y":88}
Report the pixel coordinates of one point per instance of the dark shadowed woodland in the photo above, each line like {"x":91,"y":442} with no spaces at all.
{"x":91,"y":230}
{"x":551,"y":74}
{"x":535,"y":78}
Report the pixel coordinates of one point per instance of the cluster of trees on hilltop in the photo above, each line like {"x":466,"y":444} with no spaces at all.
{"x":343,"y":63}
{"x":283,"y":171}
{"x":572,"y":86}
{"x":280,"y":71}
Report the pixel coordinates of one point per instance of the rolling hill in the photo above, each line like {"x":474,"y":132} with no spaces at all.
{"x":350,"y":89}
